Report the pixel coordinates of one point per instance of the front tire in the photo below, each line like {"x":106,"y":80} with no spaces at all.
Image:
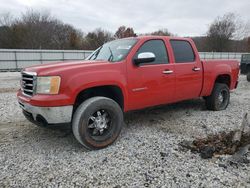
{"x":219,"y":99}
{"x":97,"y":122}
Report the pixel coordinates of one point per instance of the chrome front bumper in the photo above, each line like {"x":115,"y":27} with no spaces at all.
{"x":51,"y":115}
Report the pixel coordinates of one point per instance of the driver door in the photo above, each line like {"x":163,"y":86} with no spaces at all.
{"x":151,"y":83}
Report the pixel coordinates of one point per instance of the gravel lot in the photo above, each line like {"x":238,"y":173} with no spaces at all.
{"x":147,"y":153}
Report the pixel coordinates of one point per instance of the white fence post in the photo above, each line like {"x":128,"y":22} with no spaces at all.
{"x":16,"y":60}
{"x":41,"y":57}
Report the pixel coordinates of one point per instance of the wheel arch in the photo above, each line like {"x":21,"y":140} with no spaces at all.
{"x":223,"y":79}
{"x":113,"y":92}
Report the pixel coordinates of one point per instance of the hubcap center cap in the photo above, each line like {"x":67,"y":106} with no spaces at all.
{"x":220,"y":98}
{"x":100,"y":123}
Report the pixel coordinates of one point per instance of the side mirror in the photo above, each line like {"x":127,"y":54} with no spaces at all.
{"x":145,"y":57}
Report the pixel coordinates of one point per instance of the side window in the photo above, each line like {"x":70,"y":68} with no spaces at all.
{"x":158,"y":48}
{"x":183,"y":51}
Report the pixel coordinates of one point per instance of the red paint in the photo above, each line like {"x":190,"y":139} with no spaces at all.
{"x":142,"y":86}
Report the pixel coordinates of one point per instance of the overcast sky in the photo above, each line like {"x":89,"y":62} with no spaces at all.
{"x":182,"y":17}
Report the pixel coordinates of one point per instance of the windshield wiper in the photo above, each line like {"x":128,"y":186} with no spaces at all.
{"x":94,"y":55}
{"x":111,"y":55}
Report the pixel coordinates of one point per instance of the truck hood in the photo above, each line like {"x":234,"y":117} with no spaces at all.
{"x":57,"y":67}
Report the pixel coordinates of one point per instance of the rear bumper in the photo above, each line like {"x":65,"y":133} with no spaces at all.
{"x":47,"y":115}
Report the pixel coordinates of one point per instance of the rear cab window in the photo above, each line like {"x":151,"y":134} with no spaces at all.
{"x":183,"y":51}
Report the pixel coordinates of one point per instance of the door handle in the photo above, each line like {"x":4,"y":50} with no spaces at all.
{"x":167,"y":72}
{"x":196,"y":69}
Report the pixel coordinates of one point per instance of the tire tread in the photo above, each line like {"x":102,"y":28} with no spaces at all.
{"x":210,"y":100}
{"x":78,"y":114}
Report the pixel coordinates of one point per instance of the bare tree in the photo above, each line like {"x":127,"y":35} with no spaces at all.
{"x":6,"y":19}
{"x":36,"y":29}
{"x":123,"y":32}
{"x":5,"y":31}
{"x":201,"y":43}
{"x":248,"y":44}
{"x":39,"y":30}
{"x":95,"y":39}
{"x":220,"y":32}
{"x":242,"y":29}
{"x":162,"y":32}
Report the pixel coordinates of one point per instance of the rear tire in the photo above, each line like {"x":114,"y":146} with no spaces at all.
{"x":219,"y":99}
{"x":97,"y":122}
{"x":248,"y":76}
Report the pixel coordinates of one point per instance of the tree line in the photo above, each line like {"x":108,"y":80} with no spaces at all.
{"x":40,"y":30}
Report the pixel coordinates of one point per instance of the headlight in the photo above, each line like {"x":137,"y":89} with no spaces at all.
{"x":48,"y":84}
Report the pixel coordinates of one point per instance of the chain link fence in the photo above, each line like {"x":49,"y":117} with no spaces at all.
{"x":13,"y":60}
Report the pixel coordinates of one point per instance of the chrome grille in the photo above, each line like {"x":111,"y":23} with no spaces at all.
{"x":28,"y":83}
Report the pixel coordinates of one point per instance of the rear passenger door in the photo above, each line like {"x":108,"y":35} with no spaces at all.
{"x":188,"y":70}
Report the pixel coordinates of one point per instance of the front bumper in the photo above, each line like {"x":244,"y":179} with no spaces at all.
{"x":47,"y":115}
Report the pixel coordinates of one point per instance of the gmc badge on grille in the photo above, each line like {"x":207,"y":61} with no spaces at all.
{"x":24,"y":84}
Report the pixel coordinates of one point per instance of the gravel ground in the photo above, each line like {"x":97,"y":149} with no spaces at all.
{"x":147,"y":153}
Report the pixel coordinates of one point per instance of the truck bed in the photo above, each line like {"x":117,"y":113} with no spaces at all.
{"x":210,"y":67}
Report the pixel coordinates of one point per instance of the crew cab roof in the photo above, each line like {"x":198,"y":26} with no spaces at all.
{"x":157,"y":37}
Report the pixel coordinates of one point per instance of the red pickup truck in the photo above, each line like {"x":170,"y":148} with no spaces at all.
{"x":121,"y":76}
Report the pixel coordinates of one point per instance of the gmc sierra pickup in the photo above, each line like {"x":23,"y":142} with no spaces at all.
{"x":121,"y":76}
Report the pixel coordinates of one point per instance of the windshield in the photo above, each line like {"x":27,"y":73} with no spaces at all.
{"x":113,"y":51}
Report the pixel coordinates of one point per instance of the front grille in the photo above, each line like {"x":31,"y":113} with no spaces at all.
{"x":28,"y":83}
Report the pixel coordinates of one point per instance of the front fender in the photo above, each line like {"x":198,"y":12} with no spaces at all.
{"x":82,"y":81}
